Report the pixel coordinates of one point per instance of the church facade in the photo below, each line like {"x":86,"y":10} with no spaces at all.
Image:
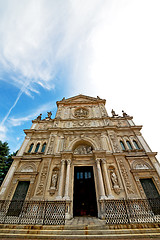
{"x":83,"y":157}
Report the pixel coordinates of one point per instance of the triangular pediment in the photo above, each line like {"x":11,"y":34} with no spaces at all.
{"x":80,"y":98}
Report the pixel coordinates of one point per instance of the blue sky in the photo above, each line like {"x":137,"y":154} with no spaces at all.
{"x":52,"y":49}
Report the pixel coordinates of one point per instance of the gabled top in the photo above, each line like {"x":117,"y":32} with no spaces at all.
{"x":81,"y":99}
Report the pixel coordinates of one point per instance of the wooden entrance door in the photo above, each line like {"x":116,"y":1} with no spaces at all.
{"x":18,"y":199}
{"x":149,"y":188}
{"x":84,"y":202}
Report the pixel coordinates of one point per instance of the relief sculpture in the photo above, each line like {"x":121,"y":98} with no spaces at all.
{"x":81,"y":112}
{"x":51,"y":146}
{"x":115,"y":143}
{"x":83,"y":149}
{"x":115,"y":183}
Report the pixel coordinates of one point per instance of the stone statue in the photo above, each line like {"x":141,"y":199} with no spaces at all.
{"x":125,"y":114}
{"x":49,"y":114}
{"x":115,"y":183}
{"x":54,"y":180}
{"x":114,"y":114}
{"x":39,"y":117}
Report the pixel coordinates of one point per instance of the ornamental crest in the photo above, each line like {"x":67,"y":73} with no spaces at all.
{"x":81,"y":113}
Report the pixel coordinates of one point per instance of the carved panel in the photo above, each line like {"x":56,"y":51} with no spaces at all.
{"x":125,"y":176}
{"x":51,"y":145}
{"x":41,"y":185}
{"x":115,"y":143}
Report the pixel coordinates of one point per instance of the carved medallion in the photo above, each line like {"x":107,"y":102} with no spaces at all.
{"x":81,"y":113}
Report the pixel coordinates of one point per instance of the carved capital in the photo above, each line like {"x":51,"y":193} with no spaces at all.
{"x":98,"y":160}
{"x":103,"y":160}
{"x":68,"y":162}
{"x":63,"y":161}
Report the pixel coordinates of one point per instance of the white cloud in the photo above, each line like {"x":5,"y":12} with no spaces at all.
{"x":17,"y":121}
{"x":123,"y":63}
{"x":37,"y":36}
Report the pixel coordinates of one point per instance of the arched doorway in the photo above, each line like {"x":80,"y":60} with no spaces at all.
{"x":84,"y":198}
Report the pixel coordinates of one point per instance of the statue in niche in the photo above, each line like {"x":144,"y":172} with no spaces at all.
{"x":83,"y":149}
{"x":81,"y":112}
{"x":54,"y":180}
{"x":114,"y":181}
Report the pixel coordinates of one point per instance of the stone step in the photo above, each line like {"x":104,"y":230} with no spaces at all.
{"x":78,"y":237}
{"x":41,"y":232}
{"x":79,"y":232}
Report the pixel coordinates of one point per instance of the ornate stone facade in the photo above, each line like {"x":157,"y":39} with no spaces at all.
{"x":83,"y":143}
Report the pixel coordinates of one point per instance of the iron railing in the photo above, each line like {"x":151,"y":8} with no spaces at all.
{"x":53,"y":212}
{"x":132,"y":211}
{"x":32,"y":212}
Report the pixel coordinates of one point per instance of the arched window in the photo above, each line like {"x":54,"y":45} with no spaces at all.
{"x":122,"y":145}
{"x":129,"y":145}
{"x":30,"y":148}
{"x":136,"y":144}
{"x":43,"y":147}
{"x":37,"y":147}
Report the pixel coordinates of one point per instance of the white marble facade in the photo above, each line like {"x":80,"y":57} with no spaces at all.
{"x":82,"y":134}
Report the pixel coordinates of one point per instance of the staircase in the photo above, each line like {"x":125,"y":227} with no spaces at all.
{"x":80,"y":228}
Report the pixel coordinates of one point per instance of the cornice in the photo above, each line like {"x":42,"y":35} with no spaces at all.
{"x":83,"y":100}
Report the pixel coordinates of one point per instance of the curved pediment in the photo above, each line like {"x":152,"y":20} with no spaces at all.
{"x":83,"y":149}
{"x":140,"y":165}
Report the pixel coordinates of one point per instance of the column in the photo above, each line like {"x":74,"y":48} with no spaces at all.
{"x":61,"y":181}
{"x":100,"y":181}
{"x":66,"y":195}
{"x":104,"y":168}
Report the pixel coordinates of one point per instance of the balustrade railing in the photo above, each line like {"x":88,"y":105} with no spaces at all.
{"x":132,"y":211}
{"x":53,"y":212}
{"x":32,"y":212}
